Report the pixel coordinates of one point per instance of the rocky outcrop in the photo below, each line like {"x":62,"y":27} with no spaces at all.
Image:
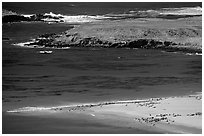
{"x":150,"y":33}
{"x":5,"y":39}
{"x":14,"y":18}
{"x":7,"y":12}
{"x":75,"y":40}
{"x":9,"y":16}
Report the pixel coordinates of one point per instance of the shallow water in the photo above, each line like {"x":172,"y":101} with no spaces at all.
{"x":79,"y":75}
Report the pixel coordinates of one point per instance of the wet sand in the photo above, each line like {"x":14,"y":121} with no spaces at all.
{"x":61,"y":123}
{"x":154,"y":115}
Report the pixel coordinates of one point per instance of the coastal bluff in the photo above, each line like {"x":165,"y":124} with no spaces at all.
{"x":183,"y":34}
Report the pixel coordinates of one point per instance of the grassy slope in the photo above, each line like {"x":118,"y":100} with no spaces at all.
{"x":184,"y":32}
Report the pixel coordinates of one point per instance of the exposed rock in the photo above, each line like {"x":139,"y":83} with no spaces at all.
{"x":9,"y":16}
{"x":75,"y":40}
{"x":14,"y":18}
{"x":5,"y":38}
{"x":7,"y":12}
{"x":152,"y":33}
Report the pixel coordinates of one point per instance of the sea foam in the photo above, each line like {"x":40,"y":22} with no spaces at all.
{"x":74,"y":107}
{"x":52,"y":17}
{"x":182,"y":11}
{"x":73,"y":18}
{"x":169,"y":11}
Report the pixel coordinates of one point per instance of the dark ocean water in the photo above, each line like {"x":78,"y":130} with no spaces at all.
{"x":79,"y":75}
{"x":90,"y":8}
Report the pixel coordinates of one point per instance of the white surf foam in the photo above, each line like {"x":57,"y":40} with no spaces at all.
{"x":25,"y":44}
{"x":53,"y":14}
{"x":52,"y":17}
{"x":170,"y":11}
{"x":28,"y":15}
{"x":73,"y":19}
{"x":182,"y":11}
{"x":191,"y":54}
{"x":83,"y":18}
{"x":87,"y":105}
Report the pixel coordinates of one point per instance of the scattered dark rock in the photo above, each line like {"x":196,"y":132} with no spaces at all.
{"x":47,"y":35}
{"x":166,"y":43}
{"x":36,"y":17}
{"x":14,"y":18}
{"x":175,"y":115}
{"x":195,"y":114}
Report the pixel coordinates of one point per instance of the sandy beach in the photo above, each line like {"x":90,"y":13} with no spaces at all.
{"x":156,"y":115}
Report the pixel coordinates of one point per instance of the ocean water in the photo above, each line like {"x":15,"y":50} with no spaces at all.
{"x":91,"y":8}
{"x":94,"y":11}
{"x":81,"y":75}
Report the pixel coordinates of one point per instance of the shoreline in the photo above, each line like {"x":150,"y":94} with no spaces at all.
{"x":149,"y":101}
{"x":185,"y":52}
{"x":162,"y":115}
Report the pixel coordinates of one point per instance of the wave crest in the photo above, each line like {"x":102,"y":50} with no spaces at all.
{"x":182,"y":11}
{"x":160,"y":13}
{"x":52,"y":17}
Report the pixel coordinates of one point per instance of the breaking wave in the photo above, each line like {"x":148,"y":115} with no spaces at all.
{"x":182,"y":11}
{"x":135,"y":13}
{"x":52,"y":17}
{"x":192,"y":54}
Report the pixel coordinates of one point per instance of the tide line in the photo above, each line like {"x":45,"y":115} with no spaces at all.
{"x":78,"y":107}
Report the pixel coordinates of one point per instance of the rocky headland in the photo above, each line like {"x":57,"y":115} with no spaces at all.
{"x":10,"y":17}
{"x":184,"y":34}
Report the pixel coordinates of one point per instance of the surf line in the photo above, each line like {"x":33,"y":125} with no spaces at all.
{"x":82,"y":106}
